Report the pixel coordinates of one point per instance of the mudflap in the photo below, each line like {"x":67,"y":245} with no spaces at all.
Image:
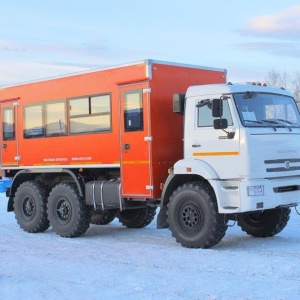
{"x":162,"y":218}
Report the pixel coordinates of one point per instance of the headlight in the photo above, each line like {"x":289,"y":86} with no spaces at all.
{"x":257,"y":190}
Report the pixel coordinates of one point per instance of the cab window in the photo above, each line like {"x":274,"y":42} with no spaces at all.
{"x":205,"y":118}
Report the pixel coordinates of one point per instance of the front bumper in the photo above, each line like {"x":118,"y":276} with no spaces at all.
{"x":233,"y":195}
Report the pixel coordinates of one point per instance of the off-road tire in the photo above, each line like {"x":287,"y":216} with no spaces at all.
{"x":68,"y":214}
{"x":266,"y":223}
{"x":103,"y":217}
{"x":30,"y":206}
{"x":193,"y":216}
{"x":138,"y":217}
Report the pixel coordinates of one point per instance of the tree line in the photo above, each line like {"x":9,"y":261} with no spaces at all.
{"x":290,"y":82}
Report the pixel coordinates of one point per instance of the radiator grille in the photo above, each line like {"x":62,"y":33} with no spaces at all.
{"x":282,"y":165}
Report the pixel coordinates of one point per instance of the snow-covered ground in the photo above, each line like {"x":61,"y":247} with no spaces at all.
{"x":113,"y":262}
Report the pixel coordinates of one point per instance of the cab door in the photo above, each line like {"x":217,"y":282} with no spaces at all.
{"x":9,"y":141}
{"x":217,"y":148}
{"x":135,"y":141}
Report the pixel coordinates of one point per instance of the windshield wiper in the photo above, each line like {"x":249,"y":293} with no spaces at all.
{"x":275,"y":122}
{"x":289,"y":122}
{"x":263,"y":121}
{"x":253,"y":121}
{"x":271,"y":122}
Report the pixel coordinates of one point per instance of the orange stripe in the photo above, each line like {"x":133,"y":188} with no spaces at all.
{"x":214,"y":153}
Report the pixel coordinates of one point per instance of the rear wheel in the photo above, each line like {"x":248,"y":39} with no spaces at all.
{"x":103,"y":217}
{"x":30,"y":206}
{"x":266,"y":223}
{"x":68,"y":214}
{"x":193,"y":216}
{"x":138,"y":217}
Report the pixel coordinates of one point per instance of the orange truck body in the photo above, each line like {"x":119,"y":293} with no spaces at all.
{"x":140,"y":157}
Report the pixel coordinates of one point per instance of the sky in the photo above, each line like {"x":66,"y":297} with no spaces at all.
{"x":41,"y":39}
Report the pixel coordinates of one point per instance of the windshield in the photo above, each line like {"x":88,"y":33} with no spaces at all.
{"x":267,"y":110}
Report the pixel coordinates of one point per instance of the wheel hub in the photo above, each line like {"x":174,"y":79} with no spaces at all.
{"x":63,"y":211}
{"x":28,"y":207}
{"x":190,"y":216}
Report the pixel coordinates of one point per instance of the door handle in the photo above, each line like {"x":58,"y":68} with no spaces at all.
{"x":126,"y":147}
{"x":4,"y":146}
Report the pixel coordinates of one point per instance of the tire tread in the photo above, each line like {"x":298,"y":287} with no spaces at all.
{"x":40,"y":189}
{"x":219,"y":227}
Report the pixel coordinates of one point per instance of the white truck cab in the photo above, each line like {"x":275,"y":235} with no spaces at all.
{"x":254,"y":163}
{"x":241,"y":153}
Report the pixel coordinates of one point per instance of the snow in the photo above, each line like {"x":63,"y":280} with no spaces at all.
{"x":114,"y":262}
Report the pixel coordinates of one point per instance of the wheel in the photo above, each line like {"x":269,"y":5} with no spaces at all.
{"x":68,"y":214}
{"x":30,"y":206}
{"x":193,"y":216}
{"x":266,"y":223}
{"x":103,"y":217}
{"x":138,"y":217}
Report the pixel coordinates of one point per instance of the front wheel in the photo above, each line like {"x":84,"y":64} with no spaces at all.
{"x":193,"y":216}
{"x":266,"y":223}
{"x":68,"y":214}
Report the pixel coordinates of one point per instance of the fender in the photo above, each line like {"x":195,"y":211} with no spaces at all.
{"x":201,"y":169}
{"x":29,"y":174}
{"x":185,"y":170}
{"x":205,"y":171}
{"x":197,"y":167}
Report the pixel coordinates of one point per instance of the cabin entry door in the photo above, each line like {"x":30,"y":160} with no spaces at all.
{"x":135,"y":141}
{"x":9,"y":141}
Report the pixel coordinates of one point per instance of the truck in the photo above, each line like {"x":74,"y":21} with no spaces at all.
{"x":122,"y":141}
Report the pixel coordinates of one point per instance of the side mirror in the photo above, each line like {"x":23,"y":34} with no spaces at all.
{"x":178,"y":103}
{"x":217,"y":108}
{"x":220,"y":123}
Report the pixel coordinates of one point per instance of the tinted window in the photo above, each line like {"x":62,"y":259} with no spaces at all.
{"x":55,"y":118}
{"x":33,"y":121}
{"x":8,"y":123}
{"x":90,"y":114}
{"x":133,"y":110}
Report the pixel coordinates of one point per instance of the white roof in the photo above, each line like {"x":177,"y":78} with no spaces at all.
{"x":212,"y":89}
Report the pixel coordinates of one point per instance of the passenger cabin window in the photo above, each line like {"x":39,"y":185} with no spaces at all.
{"x":8,"y":124}
{"x":90,"y":114}
{"x":133,"y":110}
{"x":55,"y":118}
{"x":33,"y":121}
{"x":205,"y":118}
{"x":45,"y":119}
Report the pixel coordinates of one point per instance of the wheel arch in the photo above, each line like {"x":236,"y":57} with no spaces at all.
{"x":18,"y":179}
{"x":184,"y":171}
{"x":46,"y":176}
{"x":188,"y":170}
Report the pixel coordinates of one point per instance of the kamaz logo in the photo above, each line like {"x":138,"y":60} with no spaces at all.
{"x":287,"y":164}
